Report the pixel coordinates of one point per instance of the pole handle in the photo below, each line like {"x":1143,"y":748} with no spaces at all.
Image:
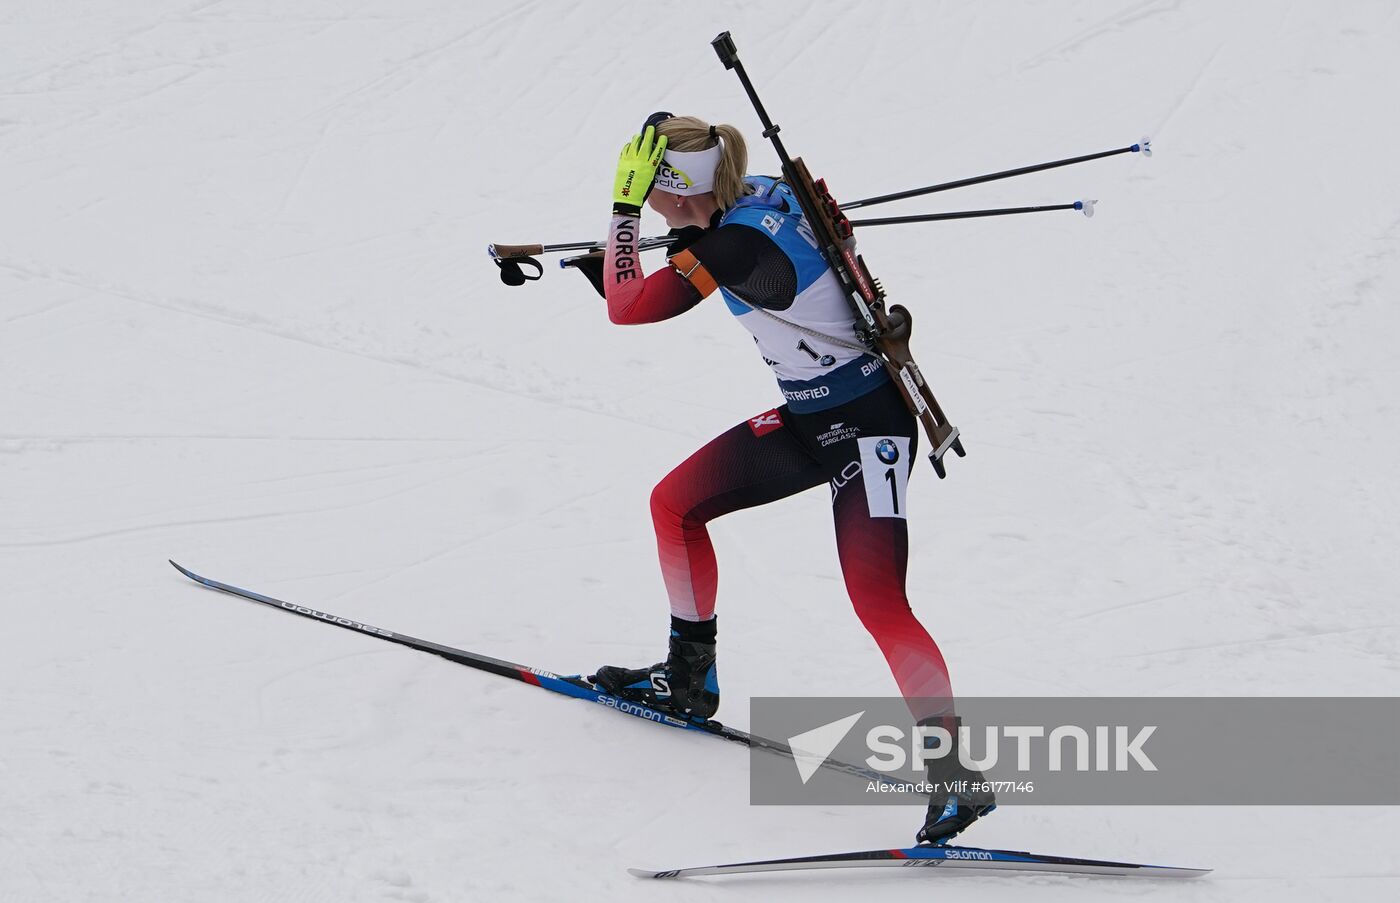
{"x":507,"y":252}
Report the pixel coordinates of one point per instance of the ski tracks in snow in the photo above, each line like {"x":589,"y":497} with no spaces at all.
{"x":1136,"y":14}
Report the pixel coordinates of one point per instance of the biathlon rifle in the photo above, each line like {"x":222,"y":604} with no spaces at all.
{"x":885,"y":331}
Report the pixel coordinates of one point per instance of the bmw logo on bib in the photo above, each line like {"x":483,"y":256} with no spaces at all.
{"x":887,"y":451}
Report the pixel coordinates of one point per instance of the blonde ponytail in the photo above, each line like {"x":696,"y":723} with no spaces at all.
{"x":687,"y":134}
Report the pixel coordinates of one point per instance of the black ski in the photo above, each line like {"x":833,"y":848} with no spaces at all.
{"x":934,"y":856}
{"x":566,"y":685}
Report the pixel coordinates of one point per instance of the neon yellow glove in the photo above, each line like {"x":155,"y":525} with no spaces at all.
{"x":636,"y":170}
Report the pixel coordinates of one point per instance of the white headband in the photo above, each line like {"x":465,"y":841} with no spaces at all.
{"x":689,"y":172}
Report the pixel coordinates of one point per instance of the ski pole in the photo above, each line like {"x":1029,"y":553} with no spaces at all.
{"x":510,"y":257}
{"x":1086,"y":207}
{"x":1143,"y":147}
{"x":508,"y":252}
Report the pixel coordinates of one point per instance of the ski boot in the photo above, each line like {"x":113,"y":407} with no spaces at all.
{"x":685,"y":684}
{"x":957,"y":798}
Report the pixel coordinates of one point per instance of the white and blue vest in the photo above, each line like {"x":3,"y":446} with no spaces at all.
{"x":812,"y":373}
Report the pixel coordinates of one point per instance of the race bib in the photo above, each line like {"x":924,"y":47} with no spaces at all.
{"x":884,"y":464}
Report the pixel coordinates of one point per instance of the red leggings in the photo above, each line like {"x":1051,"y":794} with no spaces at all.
{"x":864,"y":450}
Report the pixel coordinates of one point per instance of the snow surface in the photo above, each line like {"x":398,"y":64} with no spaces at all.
{"x":247,"y":323}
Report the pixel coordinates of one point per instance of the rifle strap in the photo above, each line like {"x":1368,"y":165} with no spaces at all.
{"x":814,"y":333}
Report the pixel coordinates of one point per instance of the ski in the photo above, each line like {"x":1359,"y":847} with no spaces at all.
{"x":943,"y":857}
{"x":572,"y":685}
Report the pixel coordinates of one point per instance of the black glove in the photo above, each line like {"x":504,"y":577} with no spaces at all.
{"x":684,"y":239}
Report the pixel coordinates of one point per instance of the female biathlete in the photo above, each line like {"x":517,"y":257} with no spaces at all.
{"x":845,"y":424}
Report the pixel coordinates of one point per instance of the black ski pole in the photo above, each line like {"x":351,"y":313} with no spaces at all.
{"x":1085,"y":207}
{"x":1143,"y":147}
